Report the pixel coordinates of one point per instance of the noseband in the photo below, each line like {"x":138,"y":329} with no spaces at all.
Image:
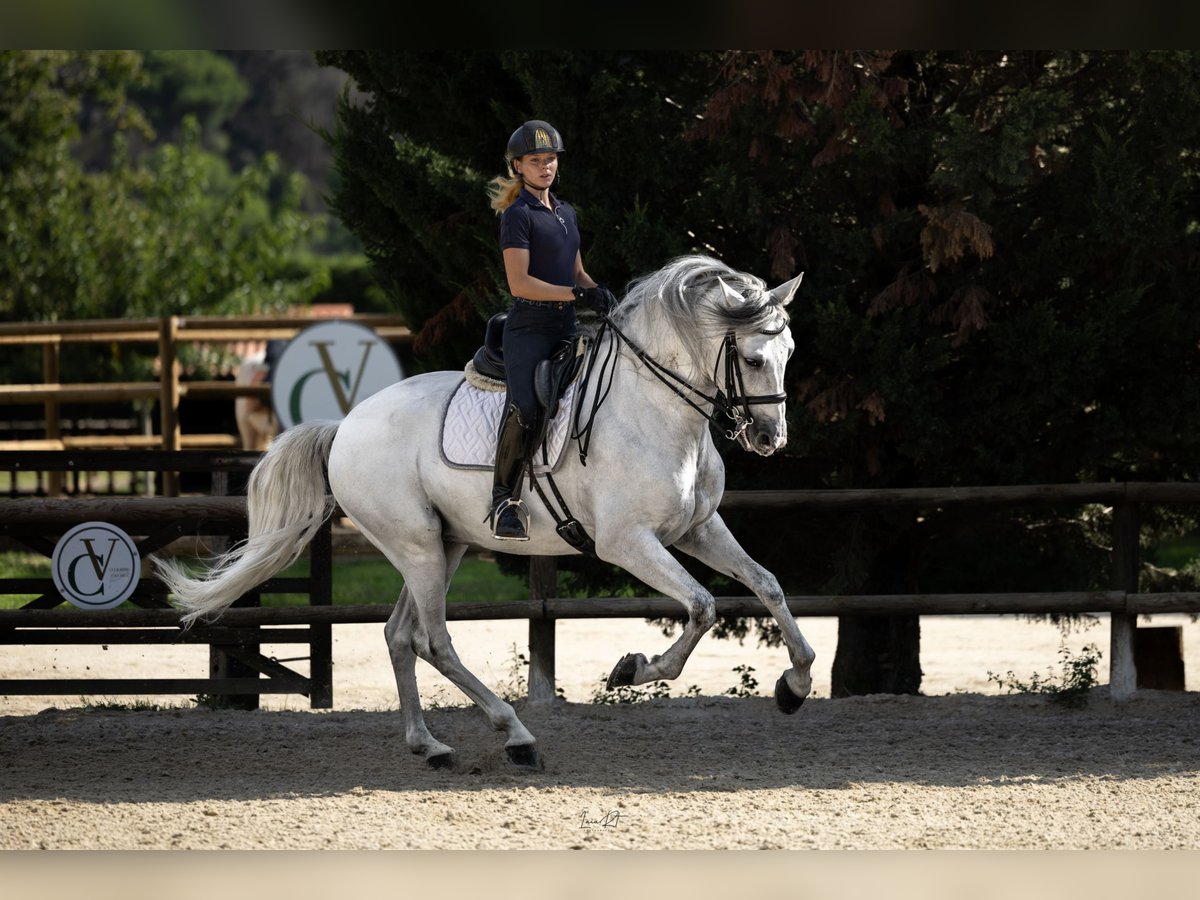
{"x":733,"y":402}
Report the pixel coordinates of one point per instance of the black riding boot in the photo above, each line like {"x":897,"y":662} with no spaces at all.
{"x":511,"y":448}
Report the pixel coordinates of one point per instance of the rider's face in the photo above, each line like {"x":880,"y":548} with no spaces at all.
{"x":538,"y":169}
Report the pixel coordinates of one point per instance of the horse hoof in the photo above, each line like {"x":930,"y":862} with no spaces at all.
{"x":440,"y":761}
{"x":525,"y":755}
{"x":785,"y":697}
{"x":623,"y":672}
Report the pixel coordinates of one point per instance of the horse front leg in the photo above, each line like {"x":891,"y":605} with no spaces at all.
{"x":714,"y":545}
{"x":643,"y":556}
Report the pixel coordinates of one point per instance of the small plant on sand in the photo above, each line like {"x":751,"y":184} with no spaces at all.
{"x":656,"y":690}
{"x":748,"y":684}
{"x":625,"y":693}
{"x":125,"y":706}
{"x":1070,"y":689}
{"x":516,"y":685}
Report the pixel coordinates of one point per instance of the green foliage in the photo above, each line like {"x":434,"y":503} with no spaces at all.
{"x":1070,"y":688}
{"x":415,"y":158}
{"x":356,"y":580}
{"x":197,"y":84}
{"x":370,"y":579}
{"x":98,"y":222}
{"x":128,"y":705}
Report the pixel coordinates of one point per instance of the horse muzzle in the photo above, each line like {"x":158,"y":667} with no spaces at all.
{"x":763,"y":437}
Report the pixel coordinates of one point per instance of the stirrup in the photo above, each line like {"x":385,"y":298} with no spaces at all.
{"x":522,"y":514}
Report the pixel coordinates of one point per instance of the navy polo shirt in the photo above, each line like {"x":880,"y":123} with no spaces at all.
{"x":550,"y":236}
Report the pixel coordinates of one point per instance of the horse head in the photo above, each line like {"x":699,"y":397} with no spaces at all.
{"x":759,"y":344}
{"x":720,"y":331}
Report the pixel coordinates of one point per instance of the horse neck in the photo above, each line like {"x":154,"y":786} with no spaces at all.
{"x":649,"y":397}
{"x":658,"y":336}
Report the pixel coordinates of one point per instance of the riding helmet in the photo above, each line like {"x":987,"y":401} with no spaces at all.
{"x":534,"y":136}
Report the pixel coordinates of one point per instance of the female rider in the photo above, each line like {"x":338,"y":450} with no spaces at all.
{"x":539,"y":240}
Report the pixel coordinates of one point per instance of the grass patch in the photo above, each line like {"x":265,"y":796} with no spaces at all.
{"x":105,"y":705}
{"x":356,"y":581}
{"x":1177,"y":552}
{"x":21,"y":565}
{"x":370,"y":580}
{"x":24,"y":565}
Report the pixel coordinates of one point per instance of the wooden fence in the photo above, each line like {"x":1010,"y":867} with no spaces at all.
{"x":32,"y":520}
{"x":167,"y":334}
{"x":238,"y":671}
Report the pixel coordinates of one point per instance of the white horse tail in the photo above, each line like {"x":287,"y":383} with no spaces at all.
{"x":286,"y":503}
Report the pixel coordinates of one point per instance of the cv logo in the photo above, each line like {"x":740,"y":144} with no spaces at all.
{"x":327,"y":369}
{"x":96,"y":566}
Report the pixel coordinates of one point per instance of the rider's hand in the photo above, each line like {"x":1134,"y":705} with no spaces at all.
{"x":599,"y":298}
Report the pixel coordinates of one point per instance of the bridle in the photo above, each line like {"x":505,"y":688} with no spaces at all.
{"x":732,"y":402}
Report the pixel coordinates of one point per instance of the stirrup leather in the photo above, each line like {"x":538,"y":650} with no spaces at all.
{"x":518,"y":507}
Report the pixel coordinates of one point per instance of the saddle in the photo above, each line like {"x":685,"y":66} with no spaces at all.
{"x":551,"y":377}
{"x":552,"y":380}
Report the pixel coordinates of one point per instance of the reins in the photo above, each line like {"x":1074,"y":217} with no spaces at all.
{"x":733,"y":402}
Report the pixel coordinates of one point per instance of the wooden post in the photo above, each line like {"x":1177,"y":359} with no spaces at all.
{"x":147,"y":429}
{"x":1122,"y":679}
{"x":320,"y":588}
{"x":1158,"y":652}
{"x":169,"y":396}
{"x":543,"y":585}
{"x":225,"y":665}
{"x":220,"y":663}
{"x":51,"y":375}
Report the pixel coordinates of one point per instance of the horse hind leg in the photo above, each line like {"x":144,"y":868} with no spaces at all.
{"x":417,"y":628}
{"x":399,"y":635}
{"x":432,"y":643}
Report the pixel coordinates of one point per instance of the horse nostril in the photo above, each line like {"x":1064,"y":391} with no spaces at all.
{"x":765,"y":440}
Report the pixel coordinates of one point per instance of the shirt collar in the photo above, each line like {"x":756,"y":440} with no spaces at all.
{"x":528,"y":199}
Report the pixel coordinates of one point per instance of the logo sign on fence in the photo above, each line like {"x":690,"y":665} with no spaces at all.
{"x":328,"y":369}
{"x":96,"y":566}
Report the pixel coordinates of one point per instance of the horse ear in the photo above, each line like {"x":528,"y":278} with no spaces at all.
{"x":730,"y":293}
{"x":783,"y":294}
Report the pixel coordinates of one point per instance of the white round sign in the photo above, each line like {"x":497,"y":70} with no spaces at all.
{"x":328,"y":369}
{"x":96,"y":566}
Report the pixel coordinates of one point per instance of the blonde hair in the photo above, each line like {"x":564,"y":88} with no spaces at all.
{"x":504,"y":191}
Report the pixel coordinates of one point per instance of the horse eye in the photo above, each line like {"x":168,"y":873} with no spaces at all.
{"x":754,"y":363}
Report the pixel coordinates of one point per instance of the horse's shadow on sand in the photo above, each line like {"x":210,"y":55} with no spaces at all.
{"x":679,"y":745}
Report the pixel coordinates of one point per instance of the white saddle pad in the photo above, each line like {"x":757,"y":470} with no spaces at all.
{"x":472,"y":423}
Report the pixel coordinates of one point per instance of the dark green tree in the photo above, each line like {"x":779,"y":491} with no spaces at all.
{"x":415,"y":156}
{"x":999,"y":249}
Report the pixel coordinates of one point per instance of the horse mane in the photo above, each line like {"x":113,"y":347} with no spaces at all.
{"x":685,"y":296}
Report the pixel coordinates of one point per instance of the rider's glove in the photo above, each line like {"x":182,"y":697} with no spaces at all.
{"x":599,"y":298}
